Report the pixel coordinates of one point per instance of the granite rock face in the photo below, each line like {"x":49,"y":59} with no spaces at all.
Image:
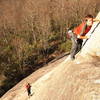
{"x":70,"y":80}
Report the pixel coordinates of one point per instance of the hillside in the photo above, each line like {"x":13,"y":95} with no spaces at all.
{"x":69,"y":80}
{"x":33,"y":33}
{"x":33,"y":77}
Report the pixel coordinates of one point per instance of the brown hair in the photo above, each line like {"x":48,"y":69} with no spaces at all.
{"x":89,"y":16}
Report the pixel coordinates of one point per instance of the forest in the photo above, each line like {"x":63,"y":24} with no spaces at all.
{"x":33,"y":33}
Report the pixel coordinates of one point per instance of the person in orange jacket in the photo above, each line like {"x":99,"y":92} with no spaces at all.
{"x":79,"y":33}
{"x":28,"y":88}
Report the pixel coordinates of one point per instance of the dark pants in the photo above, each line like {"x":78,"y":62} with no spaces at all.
{"x":29,"y":91}
{"x":76,"y":46}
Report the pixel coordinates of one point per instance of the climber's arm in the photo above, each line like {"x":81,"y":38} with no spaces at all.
{"x":82,"y":37}
{"x":96,"y":20}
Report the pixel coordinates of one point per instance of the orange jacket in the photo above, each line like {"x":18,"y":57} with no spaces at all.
{"x":82,"y":29}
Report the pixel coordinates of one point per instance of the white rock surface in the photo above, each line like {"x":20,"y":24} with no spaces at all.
{"x":70,"y":80}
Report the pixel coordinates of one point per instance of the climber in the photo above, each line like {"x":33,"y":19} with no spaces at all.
{"x":28,"y":88}
{"x":79,"y":33}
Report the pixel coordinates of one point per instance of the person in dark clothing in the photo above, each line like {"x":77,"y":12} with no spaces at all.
{"x":28,"y":87}
{"x":78,"y":34}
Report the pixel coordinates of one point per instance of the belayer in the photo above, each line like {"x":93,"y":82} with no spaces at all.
{"x":78,"y":34}
{"x":28,"y":88}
